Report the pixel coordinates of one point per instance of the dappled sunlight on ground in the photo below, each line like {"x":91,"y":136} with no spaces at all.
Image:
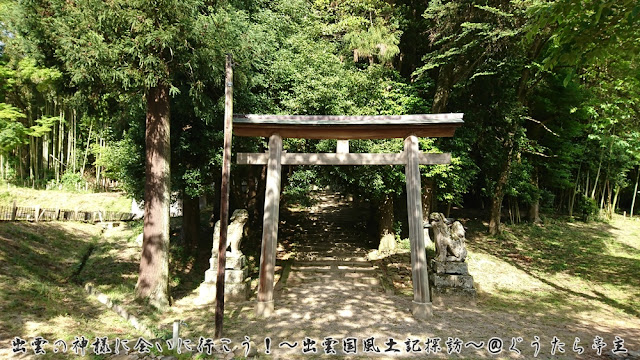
{"x":559,"y":280}
{"x":516,"y":298}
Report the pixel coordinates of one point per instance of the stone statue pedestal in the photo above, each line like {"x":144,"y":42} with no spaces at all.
{"x":451,"y":277}
{"x":236,"y":283}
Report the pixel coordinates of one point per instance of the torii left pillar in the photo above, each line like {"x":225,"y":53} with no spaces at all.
{"x":421,"y":306}
{"x":265,"y":306}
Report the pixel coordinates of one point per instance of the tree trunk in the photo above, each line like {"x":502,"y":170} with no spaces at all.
{"x":86,"y":151}
{"x":604,"y":194}
{"x":609,"y":200}
{"x":385,"y":225}
{"x":534,"y":209}
{"x":572,"y":199}
{"x":63,"y":115}
{"x":635,"y":192}
{"x":20,"y":163}
{"x":191,"y":222}
{"x":595,"y":182}
{"x":262,"y":184}
{"x":428,"y":196}
{"x":586,"y":187}
{"x":153,"y":281}
{"x":496,"y":201}
{"x":510,"y":209}
{"x":252,"y":195}
{"x":614,"y":204}
{"x":71,"y":161}
{"x":443,"y":89}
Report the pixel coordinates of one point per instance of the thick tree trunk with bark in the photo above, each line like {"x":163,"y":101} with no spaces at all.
{"x":153,"y":280}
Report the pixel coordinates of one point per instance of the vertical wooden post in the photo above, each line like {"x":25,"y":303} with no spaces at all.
{"x":14,"y":211}
{"x":224,"y":196}
{"x":342,"y":147}
{"x":265,"y":305}
{"x":37,"y":213}
{"x":421,"y":307}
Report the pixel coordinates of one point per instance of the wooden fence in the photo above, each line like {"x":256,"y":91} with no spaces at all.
{"x":20,"y":213}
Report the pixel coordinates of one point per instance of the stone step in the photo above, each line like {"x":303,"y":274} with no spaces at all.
{"x":363,"y":282}
{"x":319,"y":269}
{"x":324,"y":257}
{"x":334,"y":263}
{"x":353,"y":270}
{"x":362,"y":277}
{"x":343,"y":270}
{"x":343,"y":287}
{"x":350,"y":248}
{"x":309,"y":275}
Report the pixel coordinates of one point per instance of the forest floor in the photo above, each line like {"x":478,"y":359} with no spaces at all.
{"x":562,"y":279}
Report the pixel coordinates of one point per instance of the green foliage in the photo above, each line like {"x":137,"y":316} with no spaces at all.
{"x":71,"y":181}
{"x":585,"y":32}
{"x":43,"y":126}
{"x":366,"y":29}
{"x":124,"y":160}
{"x":586,"y":207}
{"x":454,"y":180}
{"x":464,"y":34}
{"x":299,"y":187}
{"x":12,"y":132}
{"x":550,"y":90}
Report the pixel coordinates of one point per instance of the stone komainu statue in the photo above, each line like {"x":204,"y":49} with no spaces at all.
{"x":235,"y":232}
{"x":449,"y":238}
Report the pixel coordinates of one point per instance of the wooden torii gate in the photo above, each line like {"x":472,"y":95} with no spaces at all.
{"x":409,"y":127}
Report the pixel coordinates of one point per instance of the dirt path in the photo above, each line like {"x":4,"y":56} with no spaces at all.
{"x":330,"y":292}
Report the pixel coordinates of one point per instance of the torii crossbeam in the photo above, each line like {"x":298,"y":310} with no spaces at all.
{"x":409,"y":127}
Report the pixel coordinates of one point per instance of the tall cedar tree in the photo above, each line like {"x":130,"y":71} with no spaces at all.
{"x":140,"y":47}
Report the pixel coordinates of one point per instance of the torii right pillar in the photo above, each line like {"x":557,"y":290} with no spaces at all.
{"x":421,"y":306}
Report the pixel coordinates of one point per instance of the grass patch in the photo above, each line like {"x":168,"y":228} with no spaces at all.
{"x":571,"y":268}
{"x":114,"y":265}
{"x":589,"y":261}
{"x":53,"y":199}
{"x":38,"y":298}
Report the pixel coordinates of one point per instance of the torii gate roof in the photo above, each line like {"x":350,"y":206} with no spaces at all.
{"x":344,"y":127}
